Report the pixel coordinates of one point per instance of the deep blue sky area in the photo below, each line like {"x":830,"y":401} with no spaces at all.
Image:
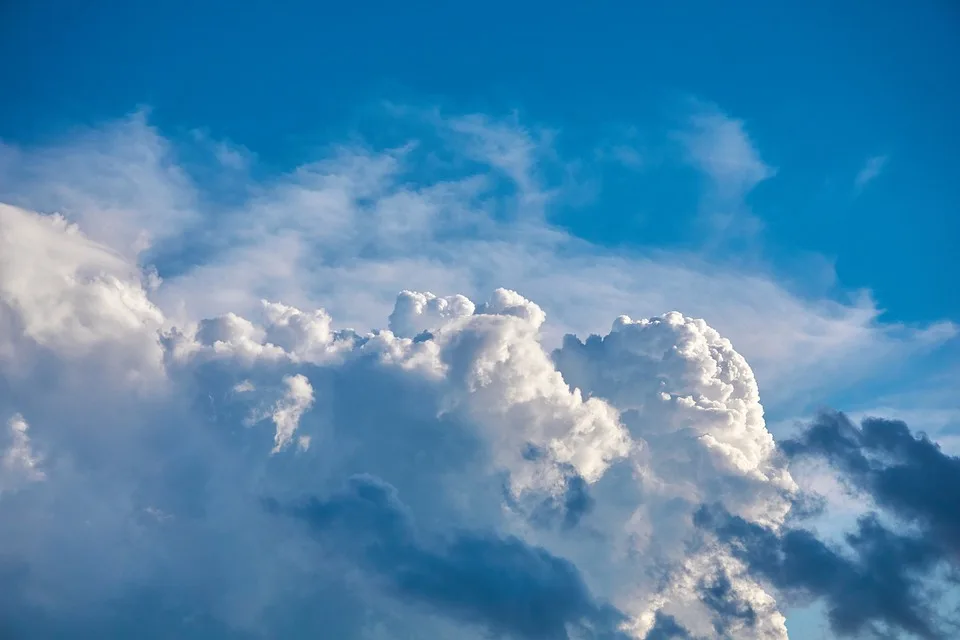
{"x":821,"y":86}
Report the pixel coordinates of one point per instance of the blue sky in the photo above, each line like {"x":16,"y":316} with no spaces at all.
{"x":788,"y":173}
{"x":851,"y":107}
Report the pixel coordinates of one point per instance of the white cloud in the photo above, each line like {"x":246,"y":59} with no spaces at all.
{"x":353,"y":229}
{"x":18,"y":464}
{"x":415,"y":312}
{"x":289,"y":409}
{"x":137,"y":391}
{"x":870,"y":171}
{"x":667,"y":416}
{"x":121,"y":182}
{"x":720,"y":147}
{"x":70,"y":294}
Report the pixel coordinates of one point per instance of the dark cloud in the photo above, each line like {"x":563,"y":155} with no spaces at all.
{"x":501,"y":583}
{"x":565,"y":509}
{"x":881,"y":581}
{"x":666,"y":627}
{"x":878,"y":586}
{"x":717,"y":593}
{"x":906,"y":474}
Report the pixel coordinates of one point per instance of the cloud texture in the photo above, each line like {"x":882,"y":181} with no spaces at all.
{"x":158,"y":460}
{"x":192,"y":448}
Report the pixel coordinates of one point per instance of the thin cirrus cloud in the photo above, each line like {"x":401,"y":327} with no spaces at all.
{"x":721,"y":148}
{"x":207,"y":437}
{"x":871,"y":171}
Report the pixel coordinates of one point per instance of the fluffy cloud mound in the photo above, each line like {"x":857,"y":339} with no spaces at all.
{"x":276,"y":475}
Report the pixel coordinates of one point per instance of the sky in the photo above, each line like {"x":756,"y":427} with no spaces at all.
{"x":516,"y":320}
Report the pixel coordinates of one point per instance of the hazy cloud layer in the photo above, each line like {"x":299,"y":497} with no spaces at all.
{"x":462,"y":205}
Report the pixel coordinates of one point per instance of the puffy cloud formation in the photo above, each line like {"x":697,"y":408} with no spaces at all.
{"x":451,"y":477}
{"x":208,"y":454}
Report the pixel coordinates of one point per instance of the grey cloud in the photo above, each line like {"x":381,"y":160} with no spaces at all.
{"x":905,"y":473}
{"x":879,"y":588}
{"x":885,"y":578}
{"x":504,"y":584}
{"x":666,"y":627}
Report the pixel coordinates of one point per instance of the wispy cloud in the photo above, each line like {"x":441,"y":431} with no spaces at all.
{"x":719,"y":146}
{"x":870,"y":171}
{"x":350,"y":230}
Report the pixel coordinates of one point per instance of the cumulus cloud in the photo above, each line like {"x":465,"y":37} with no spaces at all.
{"x":879,"y":590}
{"x":215,"y":442}
{"x":416,"y":312}
{"x":287,"y":411}
{"x":503,"y":584}
{"x":68,"y":293}
{"x":508,"y":488}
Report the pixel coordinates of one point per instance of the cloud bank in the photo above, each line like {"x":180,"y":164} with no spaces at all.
{"x":194,"y":448}
{"x":448,"y":469}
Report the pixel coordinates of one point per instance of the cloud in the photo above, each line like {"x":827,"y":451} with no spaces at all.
{"x":350,"y":230}
{"x":870,"y":171}
{"x":906,"y":474}
{"x":19,"y":463}
{"x":508,"y":147}
{"x":286,"y":413}
{"x":889,"y":574}
{"x":503,"y":584}
{"x":513,"y":481}
{"x":166,"y":376}
{"x":667,"y":628}
{"x":122,"y":183}
{"x":720,"y":147}
{"x":880,"y":590}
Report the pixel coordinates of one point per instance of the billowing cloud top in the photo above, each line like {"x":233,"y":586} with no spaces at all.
{"x":238,"y":467}
{"x":228,"y":475}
